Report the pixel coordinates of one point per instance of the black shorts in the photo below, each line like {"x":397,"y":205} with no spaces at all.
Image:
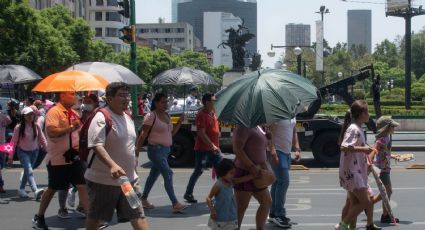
{"x":61,"y":176}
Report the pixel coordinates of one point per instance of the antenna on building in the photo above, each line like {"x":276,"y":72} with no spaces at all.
{"x":161,"y":20}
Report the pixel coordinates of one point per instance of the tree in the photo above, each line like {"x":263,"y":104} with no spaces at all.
{"x":418,"y":53}
{"x":386,"y":51}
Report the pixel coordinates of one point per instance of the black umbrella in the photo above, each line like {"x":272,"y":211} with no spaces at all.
{"x":183,"y":76}
{"x":16,"y":74}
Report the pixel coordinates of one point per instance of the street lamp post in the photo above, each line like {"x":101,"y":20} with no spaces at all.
{"x":297,"y":51}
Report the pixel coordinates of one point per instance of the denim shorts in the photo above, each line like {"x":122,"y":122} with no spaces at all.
{"x":3,"y":158}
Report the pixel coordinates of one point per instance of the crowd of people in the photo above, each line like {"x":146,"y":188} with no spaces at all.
{"x":54,"y":132}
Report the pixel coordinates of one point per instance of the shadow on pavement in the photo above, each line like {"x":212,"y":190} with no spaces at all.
{"x":192,"y":210}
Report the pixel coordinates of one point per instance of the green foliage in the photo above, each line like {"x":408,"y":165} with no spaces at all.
{"x":46,"y":41}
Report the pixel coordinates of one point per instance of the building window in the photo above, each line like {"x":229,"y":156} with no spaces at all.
{"x":98,"y":16}
{"x":99,"y":2}
{"x":98,"y":31}
{"x":180,"y":30}
{"x":113,"y":16}
{"x":144,"y":31}
{"x":155,"y":30}
{"x":111,"y":32}
{"x":115,"y":47}
{"x":178,"y":40}
{"x":167,"y":30}
{"x":112,"y":2}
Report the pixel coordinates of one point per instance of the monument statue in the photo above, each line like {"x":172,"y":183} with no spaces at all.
{"x":237,"y":41}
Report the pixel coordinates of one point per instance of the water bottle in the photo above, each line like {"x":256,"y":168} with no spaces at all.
{"x":129,"y":193}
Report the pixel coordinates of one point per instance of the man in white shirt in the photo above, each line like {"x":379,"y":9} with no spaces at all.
{"x":192,"y":98}
{"x":114,"y":157}
{"x":175,"y":106}
{"x":285,"y":137}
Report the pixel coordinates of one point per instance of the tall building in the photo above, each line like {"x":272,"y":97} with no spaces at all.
{"x":192,"y":12}
{"x":178,"y":35}
{"x":297,"y":35}
{"x":102,"y":16}
{"x":359,"y":28}
{"x":174,"y":4}
{"x":215,"y":25}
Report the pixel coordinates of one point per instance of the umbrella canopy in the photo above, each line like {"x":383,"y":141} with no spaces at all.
{"x":110,"y":72}
{"x":264,"y":97}
{"x":183,"y":76}
{"x":73,"y":81}
{"x":17,"y":74}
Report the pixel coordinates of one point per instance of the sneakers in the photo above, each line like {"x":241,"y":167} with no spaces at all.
{"x":271,"y":217}
{"x":38,"y":222}
{"x":102,"y":225}
{"x":22,"y":193}
{"x":71,"y":198}
{"x":38,"y":193}
{"x":63,"y":213}
{"x":189,"y":198}
{"x":386,"y":219}
{"x":281,"y":221}
{"x":340,"y":226}
{"x":4,"y":201}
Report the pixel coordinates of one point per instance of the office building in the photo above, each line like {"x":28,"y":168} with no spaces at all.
{"x":102,"y":16}
{"x":297,"y":35}
{"x":176,"y":34}
{"x":192,"y":12}
{"x":215,"y":25}
{"x":359,"y":28}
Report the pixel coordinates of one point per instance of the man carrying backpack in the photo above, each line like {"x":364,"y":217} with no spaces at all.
{"x":114,"y":156}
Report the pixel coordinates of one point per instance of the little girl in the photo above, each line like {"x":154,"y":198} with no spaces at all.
{"x":385,"y":126}
{"x":353,"y":166}
{"x":223,"y":211}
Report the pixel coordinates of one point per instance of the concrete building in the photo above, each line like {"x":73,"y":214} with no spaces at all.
{"x":192,"y":12}
{"x":174,"y":4}
{"x":102,"y":16}
{"x":297,"y":35}
{"x":215,"y":24}
{"x":177,"y":34}
{"x":359,"y":28}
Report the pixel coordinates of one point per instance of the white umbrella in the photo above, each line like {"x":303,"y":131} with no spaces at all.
{"x":110,"y":72}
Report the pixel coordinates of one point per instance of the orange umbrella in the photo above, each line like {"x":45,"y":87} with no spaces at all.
{"x":71,"y":80}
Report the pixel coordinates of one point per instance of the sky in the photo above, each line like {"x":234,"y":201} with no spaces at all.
{"x":273,"y":15}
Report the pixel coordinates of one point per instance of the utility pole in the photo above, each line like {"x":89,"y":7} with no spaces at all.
{"x":323,"y":10}
{"x":407,"y":14}
{"x":133,"y":57}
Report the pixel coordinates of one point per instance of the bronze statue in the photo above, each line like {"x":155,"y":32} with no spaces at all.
{"x":236,"y":41}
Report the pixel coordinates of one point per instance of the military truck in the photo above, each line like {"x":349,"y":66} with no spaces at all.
{"x":317,"y":133}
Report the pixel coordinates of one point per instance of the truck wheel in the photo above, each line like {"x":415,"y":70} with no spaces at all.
{"x":181,"y":151}
{"x":326,"y":148}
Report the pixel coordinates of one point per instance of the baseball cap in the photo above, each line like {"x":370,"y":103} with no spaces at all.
{"x":27,"y":110}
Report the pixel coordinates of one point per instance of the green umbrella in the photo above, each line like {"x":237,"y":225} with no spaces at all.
{"x":264,"y":97}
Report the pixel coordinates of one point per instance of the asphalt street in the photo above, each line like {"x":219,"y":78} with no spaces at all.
{"x":314,"y":200}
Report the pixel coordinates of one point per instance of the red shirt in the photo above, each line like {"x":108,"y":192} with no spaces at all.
{"x":207,"y":121}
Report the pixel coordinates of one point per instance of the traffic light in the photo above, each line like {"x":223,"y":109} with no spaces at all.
{"x":127,"y":34}
{"x":125,"y":5}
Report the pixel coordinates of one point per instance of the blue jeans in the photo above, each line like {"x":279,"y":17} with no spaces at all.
{"x":280,"y":186}
{"x":200,"y":156}
{"x":158,"y":155}
{"x":27,"y":159}
{"x":2,"y":165}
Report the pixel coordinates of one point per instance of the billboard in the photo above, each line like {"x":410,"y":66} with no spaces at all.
{"x":396,"y":5}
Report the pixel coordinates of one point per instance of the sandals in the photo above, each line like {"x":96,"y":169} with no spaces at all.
{"x":147,"y":205}
{"x":178,"y":207}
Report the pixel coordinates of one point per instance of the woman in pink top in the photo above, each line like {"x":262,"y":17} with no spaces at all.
{"x":249,"y":146}
{"x":158,"y":129}
{"x":27,"y":137}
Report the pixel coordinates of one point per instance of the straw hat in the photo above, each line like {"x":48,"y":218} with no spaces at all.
{"x":382,"y":123}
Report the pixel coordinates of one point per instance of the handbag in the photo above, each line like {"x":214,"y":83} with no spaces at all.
{"x":266,"y":176}
{"x":145,"y":142}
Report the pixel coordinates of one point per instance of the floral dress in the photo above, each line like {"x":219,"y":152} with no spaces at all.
{"x":383,"y":158}
{"x":353,"y":166}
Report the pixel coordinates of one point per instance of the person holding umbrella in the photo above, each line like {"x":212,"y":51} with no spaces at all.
{"x":158,"y":129}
